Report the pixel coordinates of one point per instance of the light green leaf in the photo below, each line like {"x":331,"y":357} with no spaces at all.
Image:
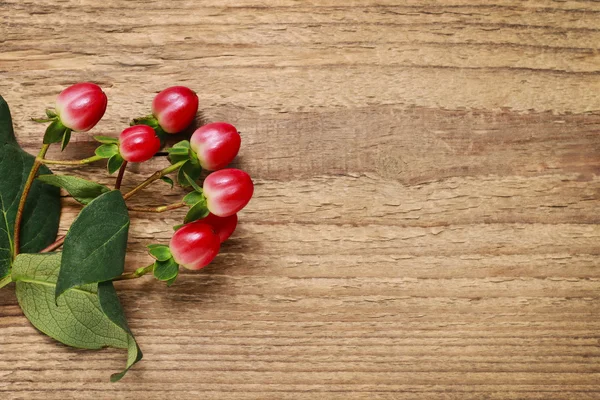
{"x":106,"y":139}
{"x":107,"y":150}
{"x":88,"y":317}
{"x":55,"y":132}
{"x":166,"y":270}
{"x":159,"y":252}
{"x":82,"y":190}
{"x":42,"y":210}
{"x":193,"y":198}
{"x":94,"y":249}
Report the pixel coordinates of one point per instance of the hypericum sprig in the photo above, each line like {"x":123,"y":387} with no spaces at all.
{"x":80,"y":278}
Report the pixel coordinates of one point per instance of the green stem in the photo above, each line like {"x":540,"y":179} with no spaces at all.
{"x":34,"y":169}
{"x":73,"y":162}
{"x":154,"y":177}
{"x":5,"y":281}
{"x":136,"y":274}
{"x":160,"y":209}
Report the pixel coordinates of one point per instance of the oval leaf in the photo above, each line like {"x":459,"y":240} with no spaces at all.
{"x":88,"y":316}
{"x":42,"y":210}
{"x":166,"y":270}
{"x":94,"y":249}
{"x":82,"y":190}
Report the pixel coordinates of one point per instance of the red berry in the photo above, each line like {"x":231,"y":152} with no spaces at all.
{"x":138,"y":143}
{"x":194,"y":245}
{"x":227,"y":191}
{"x":216,"y":145}
{"x":223,"y":226}
{"x":175,"y":108}
{"x":81,"y":106}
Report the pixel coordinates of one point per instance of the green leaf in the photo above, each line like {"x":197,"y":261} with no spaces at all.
{"x":198,"y":211}
{"x":193,"y":198}
{"x":94,"y":249}
{"x":149,"y":120}
{"x":166,"y":270}
{"x":65,"y":139}
{"x":189,"y":172}
{"x":182,"y":151}
{"x":106,"y":139}
{"x":114,"y":163}
{"x":160,"y":252}
{"x":111,"y":306}
{"x":42,"y":210}
{"x":54,"y":132}
{"x":82,"y":190}
{"x":193,"y":183}
{"x":184,"y":144}
{"x":88,"y":317}
{"x":50,"y":113}
{"x":168,"y":180}
{"x":107,"y":150}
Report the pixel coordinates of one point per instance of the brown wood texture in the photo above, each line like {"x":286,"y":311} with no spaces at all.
{"x":426,"y":220}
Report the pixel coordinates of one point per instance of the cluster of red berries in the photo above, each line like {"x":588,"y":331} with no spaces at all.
{"x":211,"y":147}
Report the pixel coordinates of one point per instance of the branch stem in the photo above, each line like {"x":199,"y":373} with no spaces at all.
{"x":34,"y":169}
{"x":160,"y":209}
{"x":73,"y":162}
{"x":154,"y":177}
{"x":136,"y":274}
{"x":5,"y":281}
{"x":53,"y":246}
{"x":120,"y":176}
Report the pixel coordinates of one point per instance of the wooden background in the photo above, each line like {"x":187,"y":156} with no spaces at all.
{"x":426,"y":216}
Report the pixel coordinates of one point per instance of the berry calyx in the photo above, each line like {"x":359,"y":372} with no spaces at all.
{"x":216,"y":145}
{"x":138,"y":143}
{"x":194,"y":245}
{"x":79,"y":107}
{"x":227,"y":191}
{"x":175,"y":108}
{"x":223,"y":226}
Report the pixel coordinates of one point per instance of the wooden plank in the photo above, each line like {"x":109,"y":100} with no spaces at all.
{"x":425,"y":223}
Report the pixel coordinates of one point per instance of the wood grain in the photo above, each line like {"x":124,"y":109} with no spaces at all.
{"x":425,"y":223}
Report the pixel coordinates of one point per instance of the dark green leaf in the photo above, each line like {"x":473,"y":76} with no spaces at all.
{"x":193,"y":183}
{"x":107,"y":150}
{"x":54,"y":132}
{"x":166,"y":270}
{"x":159,"y":252}
{"x":188,"y":172}
{"x":106,"y":139}
{"x":198,"y":211}
{"x":94,"y":249}
{"x":65,"y":139}
{"x":82,"y":190}
{"x":114,"y":163}
{"x":192,"y":198}
{"x":42,"y":210}
{"x":109,"y":301}
{"x":88,"y":316}
{"x":168,"y":180}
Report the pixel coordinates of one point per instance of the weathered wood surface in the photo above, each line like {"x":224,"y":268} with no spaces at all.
{"x":426,"y":217}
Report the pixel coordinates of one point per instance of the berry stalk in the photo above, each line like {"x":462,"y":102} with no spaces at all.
{"x":72,"y":162}
{"x":160,"y":209}
{"x":154,"y":177}
{"x":34,"y":170}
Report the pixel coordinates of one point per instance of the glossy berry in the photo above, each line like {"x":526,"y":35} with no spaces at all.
{"x":81,"y":106}
{"x":223,"y":226}
{"x":216,"y":145}
{"x":175,"y":108}
{"x":227,"y":191}
{"x":138,"y":143}
{"x":194,"y":245}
